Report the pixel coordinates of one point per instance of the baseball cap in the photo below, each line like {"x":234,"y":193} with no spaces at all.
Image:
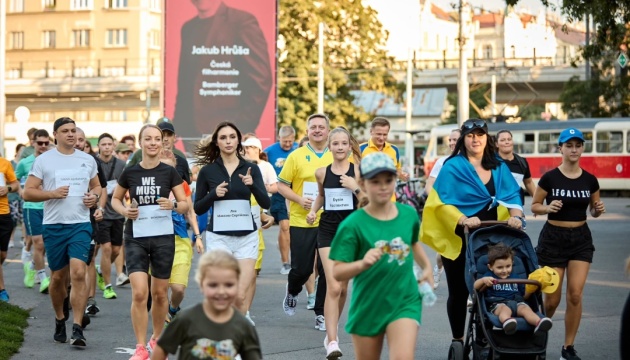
{"x":570,"y":133}
{"x":166,"y":126}
{"x":122,"y":147}
{"x":376,"y":163}
{"x":61,"y":122}
{"x":252,"y":141}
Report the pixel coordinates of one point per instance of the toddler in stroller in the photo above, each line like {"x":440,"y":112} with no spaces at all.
{"x":507,"y":300}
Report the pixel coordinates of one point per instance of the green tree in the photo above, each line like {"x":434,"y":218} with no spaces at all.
{"x":476,"y":97}
{"x":608,"y":91}
{"x":355,"y":58}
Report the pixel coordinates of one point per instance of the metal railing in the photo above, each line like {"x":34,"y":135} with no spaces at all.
{"x":43,"y":69}
{"x":501,"y":62}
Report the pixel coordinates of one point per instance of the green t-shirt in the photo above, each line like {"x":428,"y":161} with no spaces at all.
{"x":387,"y":291}
{"x":201,"y":338}
{"x":26,"y":152}
{"x":21,"y":172}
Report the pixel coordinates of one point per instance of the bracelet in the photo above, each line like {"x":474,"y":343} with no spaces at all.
{"x":198,"y":236}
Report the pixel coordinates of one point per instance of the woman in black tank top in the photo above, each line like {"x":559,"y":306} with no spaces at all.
{"x":338,"y":194}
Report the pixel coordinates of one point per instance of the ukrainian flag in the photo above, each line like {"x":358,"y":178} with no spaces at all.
{"x":458,"y":191}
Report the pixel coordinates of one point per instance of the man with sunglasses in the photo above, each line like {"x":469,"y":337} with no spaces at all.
{"x":34,"y":270}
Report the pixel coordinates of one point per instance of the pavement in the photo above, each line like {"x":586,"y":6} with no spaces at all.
{"x":110,"y":334}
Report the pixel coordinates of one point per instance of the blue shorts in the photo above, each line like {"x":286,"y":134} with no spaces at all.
{"x":278,"y":208}
{"x":66,"y":241}
{"x":33,"y":221}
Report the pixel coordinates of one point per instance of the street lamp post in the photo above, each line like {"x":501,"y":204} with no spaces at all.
{"x":462,"y":81}
{"x":320,"y":69}
{"x":3,"y":100}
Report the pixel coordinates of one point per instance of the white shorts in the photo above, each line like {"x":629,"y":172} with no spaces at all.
{"x":242,"y":247}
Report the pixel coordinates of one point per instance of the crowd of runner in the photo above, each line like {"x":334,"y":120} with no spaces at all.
{"x":147,"y":212}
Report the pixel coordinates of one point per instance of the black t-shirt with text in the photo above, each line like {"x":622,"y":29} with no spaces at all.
{"x":148,"y":185}
{"x":574,"y":193}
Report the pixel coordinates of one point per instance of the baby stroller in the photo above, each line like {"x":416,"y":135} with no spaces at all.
{"x":485,"y":335}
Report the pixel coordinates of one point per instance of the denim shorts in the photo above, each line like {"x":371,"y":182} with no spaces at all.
{"x":66,"y":241}
{"x":558,"y":245}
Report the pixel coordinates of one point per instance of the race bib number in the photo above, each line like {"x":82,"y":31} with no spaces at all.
{"x":232,"y":215}
{"x":152,"y":221}
{"x":77,"y":180}
{"x":338,"y":199}
{"x":310,"y":189}
{"x":111,"y":185}
{"x":256,"y":215}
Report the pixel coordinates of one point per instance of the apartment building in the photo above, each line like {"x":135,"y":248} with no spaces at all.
{"x":92,"y":60}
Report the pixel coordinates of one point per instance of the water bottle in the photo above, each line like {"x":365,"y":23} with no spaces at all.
{"x":428,"y":296}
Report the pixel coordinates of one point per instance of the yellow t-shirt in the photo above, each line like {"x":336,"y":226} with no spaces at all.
{"x":388,"y":149}
{"x":6,"y":172}
{"x":298,"y":172}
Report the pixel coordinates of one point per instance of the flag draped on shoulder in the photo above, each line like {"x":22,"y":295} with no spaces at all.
{"x":458,"y":191}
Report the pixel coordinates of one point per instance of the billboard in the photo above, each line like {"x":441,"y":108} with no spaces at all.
{"x":219,"y":65}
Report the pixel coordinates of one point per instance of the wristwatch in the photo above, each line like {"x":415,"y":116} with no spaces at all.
{"x":9,"y":188}
{"x":100,"y":208}
{"x":198,"y":236}
{"x":523,"y":221}
{"x":357,"y":191}
{"x":174,"y":204}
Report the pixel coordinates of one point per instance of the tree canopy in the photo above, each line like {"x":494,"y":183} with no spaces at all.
{"x":355,"y":58}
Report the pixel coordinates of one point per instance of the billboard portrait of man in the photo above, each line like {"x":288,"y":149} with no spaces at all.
{"x":224,"y":69}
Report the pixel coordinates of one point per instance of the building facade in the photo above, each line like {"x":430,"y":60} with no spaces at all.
{"x":96,"y":61}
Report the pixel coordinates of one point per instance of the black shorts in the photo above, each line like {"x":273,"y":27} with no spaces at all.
{"x":558,"y":245}
{"x":278,"y":208}
{"x":326,"y":234}
{"x":155,"y":251}
{"x":91,"y":252}
{"x":6,"y":228}
{"x":110,"y":231}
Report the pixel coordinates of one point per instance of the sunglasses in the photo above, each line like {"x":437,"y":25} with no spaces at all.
{"x":475,"y":124}
{"x":43,"y":143}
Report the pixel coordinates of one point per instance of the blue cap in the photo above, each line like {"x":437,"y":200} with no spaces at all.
{"x":376,"y":163}
{"x":568,"y":134}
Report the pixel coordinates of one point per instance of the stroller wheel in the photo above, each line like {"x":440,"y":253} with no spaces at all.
{"x":456,"y":351}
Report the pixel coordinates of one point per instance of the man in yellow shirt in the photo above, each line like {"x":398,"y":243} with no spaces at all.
{"x":297,"y":184}
{"x":8,"y":184}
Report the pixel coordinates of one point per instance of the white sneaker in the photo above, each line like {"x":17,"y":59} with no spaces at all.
{"x":11,"y":244}
{"x":289,"y":303}
{"x":437,"y":274}
{"x":122,"y":279}
{"x":285,"y":269}
{"x":332,"y":351}
{"x":320,"y":323}
{"x":310,"y":302}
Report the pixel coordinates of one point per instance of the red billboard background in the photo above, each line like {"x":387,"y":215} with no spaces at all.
{"x":194,"y":123}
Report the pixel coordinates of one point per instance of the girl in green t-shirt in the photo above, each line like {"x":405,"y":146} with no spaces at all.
{"x":373,"y":246}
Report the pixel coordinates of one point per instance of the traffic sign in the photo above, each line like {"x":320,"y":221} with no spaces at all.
{"x":622,"y":60}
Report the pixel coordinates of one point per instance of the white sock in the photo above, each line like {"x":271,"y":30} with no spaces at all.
{"x":32,"y":265}
{"x":26,"y":256}
{"x":41,"y":274}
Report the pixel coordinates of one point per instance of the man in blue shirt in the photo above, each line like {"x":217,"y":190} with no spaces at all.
{"x":277,"y":154}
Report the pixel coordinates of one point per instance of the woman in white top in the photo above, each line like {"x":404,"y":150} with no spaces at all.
{"x":254,"y":152}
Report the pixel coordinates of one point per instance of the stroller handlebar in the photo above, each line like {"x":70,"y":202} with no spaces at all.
{"x":486,"y":223}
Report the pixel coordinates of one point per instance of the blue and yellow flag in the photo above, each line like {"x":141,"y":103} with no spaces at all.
{"x":458,"y":191}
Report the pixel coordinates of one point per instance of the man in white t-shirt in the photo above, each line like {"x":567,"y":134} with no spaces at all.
{"x":66,"y":180}
{"x":452,"y":140}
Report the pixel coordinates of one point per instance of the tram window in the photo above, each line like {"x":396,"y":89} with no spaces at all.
{"x":588,"y":142}
{"x":628,"y":142}
{"x":609,"y":141}
{"x":524,"y":143}
{"x":548,"y":143}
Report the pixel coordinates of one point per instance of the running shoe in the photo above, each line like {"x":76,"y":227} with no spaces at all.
{"x":29,"y":276}
{"x":92,"y":308}
{"x":437,"y":274}
{"x":249,"y":318}
{"x":569,"y":353}
{"x":99,"y":279}
{"x":151,"y":345}
{"x":11,"y":244}
{"x":109,"y":293}
{"x":60,"y":331}
{"x":122,"y":280}
{"x":170,"y":315}
{"x":310,"y":304}
{"x":141,"y":353}
{"x":332,"y":351}
{"x":285,"y":269}
{"x":290,"y":302}
{"x":43,"y":286}
{"x":320,"y":323}
{"x":85,"y":321}
{"x":77,"y":338}
{"x":4,"y":295}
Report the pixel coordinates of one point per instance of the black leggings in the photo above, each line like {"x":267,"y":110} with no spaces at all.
{"x":457,"y":293}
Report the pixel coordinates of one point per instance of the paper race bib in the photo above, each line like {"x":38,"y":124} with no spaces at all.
{"x":77,"y":180}
{"x":152,"y":221}
{"x":338,"y":199}
{"x":256,"y":215}
{"x":232,"y":215}
{"x":3,"y":181}
{"x":310,"y":189}
{"x":111,"y":185}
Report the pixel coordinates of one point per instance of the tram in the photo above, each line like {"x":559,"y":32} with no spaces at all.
{"x":606,"y":148}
